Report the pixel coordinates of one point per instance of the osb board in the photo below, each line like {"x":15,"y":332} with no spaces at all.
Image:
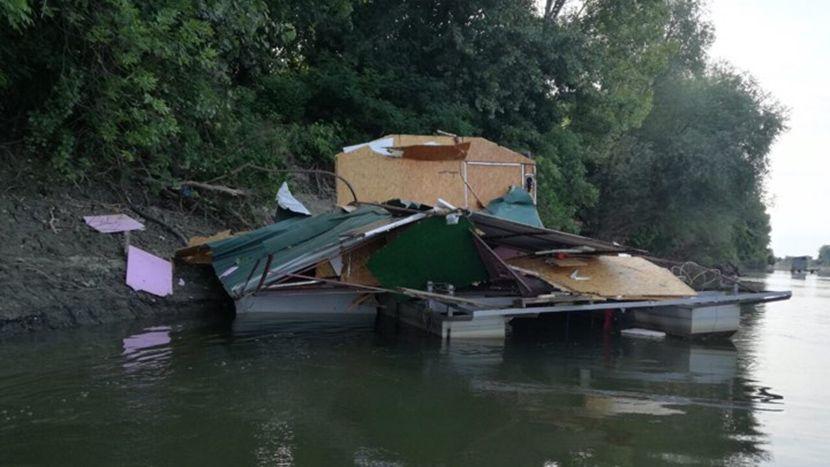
{"x":378,"y":178}
{"x":409,"y":140}
{"x":491,"y":181}
{"x":324,"y":270}
{"x":568,"y":262}
{"x":354,"y":269}
{"x":610,"y":276}
{"x":195,"y":253}
{"x":483,"y":150}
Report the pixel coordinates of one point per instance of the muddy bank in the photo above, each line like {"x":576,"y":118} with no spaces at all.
{"x":57,"y":272}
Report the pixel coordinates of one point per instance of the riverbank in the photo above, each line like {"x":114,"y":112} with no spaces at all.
{"x":57,"y":272}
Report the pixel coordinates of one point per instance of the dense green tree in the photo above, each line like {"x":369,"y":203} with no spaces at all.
{"x":689,"y":182}
{"x":558,"y":88}
{"x":824,"y":255}
{"x":118,"y":83}
{"x":636,"y":136}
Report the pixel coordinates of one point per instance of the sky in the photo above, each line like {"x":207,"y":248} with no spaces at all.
{"x":785,"y":45}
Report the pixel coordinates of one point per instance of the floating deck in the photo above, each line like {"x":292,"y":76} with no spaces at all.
{"x":709,"y":313}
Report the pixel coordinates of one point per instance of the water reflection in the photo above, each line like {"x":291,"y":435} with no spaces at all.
{"x":147,"y":349}
{"x":318,"y":394}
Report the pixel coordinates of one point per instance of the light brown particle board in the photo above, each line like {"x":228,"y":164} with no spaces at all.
{"x":617,"y":277}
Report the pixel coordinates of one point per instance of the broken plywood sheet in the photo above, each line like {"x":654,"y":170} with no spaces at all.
{"x":621,"y":277}
{"x":352,"y":265}
{"x":196,"y":253}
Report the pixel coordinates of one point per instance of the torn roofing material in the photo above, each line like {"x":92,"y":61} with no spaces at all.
{"x":246,"y":262}
{"x":434,"y":152}
{"x":517,"y":205}
{"x":380,"y":146}
{"x":525,"y":237}
{"x":287,"y":201}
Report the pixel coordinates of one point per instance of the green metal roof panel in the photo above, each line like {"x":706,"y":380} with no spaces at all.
{"x":240,"y":261}
{"x":517,"y":206}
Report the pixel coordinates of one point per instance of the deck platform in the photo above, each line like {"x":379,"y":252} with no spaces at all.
{"x":709,"y":313}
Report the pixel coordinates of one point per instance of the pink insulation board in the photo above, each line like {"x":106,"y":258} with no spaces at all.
{"x":113,"y":223}
{"x":149,"y":273}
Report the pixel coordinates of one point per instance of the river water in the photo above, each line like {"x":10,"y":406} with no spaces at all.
{"x":206,"y":394}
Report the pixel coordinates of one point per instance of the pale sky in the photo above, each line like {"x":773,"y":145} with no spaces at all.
{"x":785,"y":45}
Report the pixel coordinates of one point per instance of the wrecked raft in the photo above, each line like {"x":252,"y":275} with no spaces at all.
{"x":448,"y":271}
{"x":478,"y":260}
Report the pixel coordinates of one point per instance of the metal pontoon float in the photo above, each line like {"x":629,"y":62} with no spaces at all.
{"x":711,"y":313}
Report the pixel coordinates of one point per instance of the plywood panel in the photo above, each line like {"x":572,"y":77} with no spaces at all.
{"x":491,"y":181}
{"x":196,"y":252}
{"x":483,"y":150}
{"x":623,"y":277}
{"x":378,"y":178}
{"x":353,"y":269}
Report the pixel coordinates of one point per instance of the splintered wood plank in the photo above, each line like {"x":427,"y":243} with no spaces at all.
{"x":620,"y":277}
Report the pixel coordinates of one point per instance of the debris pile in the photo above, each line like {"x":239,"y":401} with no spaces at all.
{"x":145,"y":271}
{"x":445,"y":224}
{"x":448,"y":255}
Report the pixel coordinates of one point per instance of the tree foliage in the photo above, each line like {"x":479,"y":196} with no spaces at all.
{"x":636,"y":136}
{"x":689,"y":182}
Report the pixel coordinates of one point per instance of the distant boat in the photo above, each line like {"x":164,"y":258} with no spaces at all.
{"x":799,"y":267}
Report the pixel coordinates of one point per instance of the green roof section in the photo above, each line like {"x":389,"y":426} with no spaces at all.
{"x":430,"y":250}
{"x":240,"y":261}
{"x":517,"y":206}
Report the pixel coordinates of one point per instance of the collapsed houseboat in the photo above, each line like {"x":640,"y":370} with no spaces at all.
{"x":462,"y":257}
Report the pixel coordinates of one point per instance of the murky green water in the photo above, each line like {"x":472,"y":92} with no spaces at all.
{"x":195,"y":394}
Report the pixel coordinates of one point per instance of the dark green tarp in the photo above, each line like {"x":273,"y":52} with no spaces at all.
{"x":430,"y":250}
{"x":517,"y":206}
{"x":244,"y":256}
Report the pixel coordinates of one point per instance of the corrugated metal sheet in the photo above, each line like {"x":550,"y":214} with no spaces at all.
{"x":289,"y":246}
{"x":529,"y":238}
{"x":516,"y":205}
